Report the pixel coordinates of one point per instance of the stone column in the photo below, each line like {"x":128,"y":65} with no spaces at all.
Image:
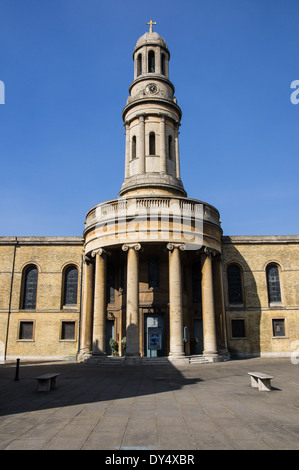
{"x":175,"y":300}
{"x":128,"y":147}
{"x":99,"y":316}
{"x":132,"y":309}
{"x":141,"y":143}
{"x":163,"y":163}
{"x":177,"y":152}
{"x":87,"y":307}
{"x":219,"y":304}
{"x":208,"y":309}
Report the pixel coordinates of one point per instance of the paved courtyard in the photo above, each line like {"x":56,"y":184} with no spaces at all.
{"x":153,"y":407}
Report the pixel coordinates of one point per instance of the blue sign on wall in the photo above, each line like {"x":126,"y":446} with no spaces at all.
{"x":155,"y":338}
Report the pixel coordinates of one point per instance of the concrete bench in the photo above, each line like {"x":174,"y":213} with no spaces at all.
{"x":47,"y":382}
{"x":261,"y":381}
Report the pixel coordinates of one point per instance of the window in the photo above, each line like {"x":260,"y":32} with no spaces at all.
{"x":278,"y":327}
{"x":70,"y":285}
{"x":139,"y":65}
{"x":273,"y":283}
{"x":152,"y":144}
{"x":26,"y":330}
{"x":238,"y":328}
{"x":68,"y":330}
{"x":122,"y":283}
{"x":133,"y":147}
{"x":234,"y":280}
{"x":110,"y":284}
{"x":151,"y":62}
{"x":163,"y":64}
{"x":30,"y":287}
{"x":196,"y":282}
{"x":153,"y":272}
{"x":170,"y":147}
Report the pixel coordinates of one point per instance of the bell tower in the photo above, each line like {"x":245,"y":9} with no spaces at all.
{"x":137,"y":245}
{"x":152,"y":120}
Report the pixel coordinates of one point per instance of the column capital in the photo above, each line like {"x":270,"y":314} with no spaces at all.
{"x":100,"y":252}
{"x":136,"y":246}
{"x":209,"y":251}
{"x":172,"y":246}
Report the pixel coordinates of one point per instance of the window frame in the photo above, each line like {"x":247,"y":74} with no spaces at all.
{"x":196,"y":283}
{"x":155,"y":262}
{"x":151,"y":61}
{"x":134,"y":148}
{"x":139,"y":65}
{"x":64,"y":286}
{"x":24,"y":286}
{"x":244,"y":325}
{"x":240,"y":268}
{"x":170,"y":147}
{"x":152,"y":144}
{"x":163,"y":64}
{"x":74,"y":339}
{"x":26,"y":340}
{"x":283,"y":320}
{"x":273,"y":303}
{"x":111,"y":283}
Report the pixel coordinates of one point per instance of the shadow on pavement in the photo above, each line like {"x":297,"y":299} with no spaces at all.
{"x":84,"y":383}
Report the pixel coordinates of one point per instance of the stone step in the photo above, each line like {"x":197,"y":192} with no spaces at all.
{"x":199,"y":360}
{"x":147,"y":361}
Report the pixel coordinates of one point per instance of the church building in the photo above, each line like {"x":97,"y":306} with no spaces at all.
{"x":153,"y":277}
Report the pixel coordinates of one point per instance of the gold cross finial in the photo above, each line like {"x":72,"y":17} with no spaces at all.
{"x":151,"y":25}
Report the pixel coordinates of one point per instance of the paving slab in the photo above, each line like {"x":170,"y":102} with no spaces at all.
{"x":158,"y":407}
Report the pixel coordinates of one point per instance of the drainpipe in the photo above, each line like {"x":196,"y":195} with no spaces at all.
{"x":10,"y":298}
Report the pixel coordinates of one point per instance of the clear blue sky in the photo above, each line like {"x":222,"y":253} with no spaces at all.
{"x":67,"y":66}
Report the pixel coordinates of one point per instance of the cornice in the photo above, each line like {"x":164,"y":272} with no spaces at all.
{"x":260,"y":239}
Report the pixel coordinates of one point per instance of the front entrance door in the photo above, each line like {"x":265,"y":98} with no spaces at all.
{"x":154,"y":335}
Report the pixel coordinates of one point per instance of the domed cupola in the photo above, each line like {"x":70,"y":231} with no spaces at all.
{"x":152,"y":119}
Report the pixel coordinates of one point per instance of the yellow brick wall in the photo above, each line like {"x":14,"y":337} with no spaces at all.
{"x":253,"y":254}
{"x":51,"y":255}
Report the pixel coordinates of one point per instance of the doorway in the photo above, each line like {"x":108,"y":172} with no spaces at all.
{"x":109,"y":335}
{"x":154,"y":338}
{"x":198,"y":336}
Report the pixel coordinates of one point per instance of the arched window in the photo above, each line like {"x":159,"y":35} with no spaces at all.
{"x":139,"y":65}
{"x":234,"y":279}
{"x":70,"y":286}
{"x":151,"y":62}
{"x":273,"y":283}
{"x":196,"y":282}
{"x":133,"y":147}
{"x":163,"y":64}
{"x":30,"y":287}
{"x":152,"y":144}
{"x":170,"y":152}
{"x":153,"y":273}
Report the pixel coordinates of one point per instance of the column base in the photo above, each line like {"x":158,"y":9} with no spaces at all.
{"x":83,"y":356}
{"x":178,"y":358}
{"x":212,"y":356}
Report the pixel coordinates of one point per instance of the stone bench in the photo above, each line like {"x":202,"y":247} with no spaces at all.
{"x":261,"y":381}
{"x":47,"y":382}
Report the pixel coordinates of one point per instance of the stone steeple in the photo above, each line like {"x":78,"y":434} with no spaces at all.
{"x":152,"y":120}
